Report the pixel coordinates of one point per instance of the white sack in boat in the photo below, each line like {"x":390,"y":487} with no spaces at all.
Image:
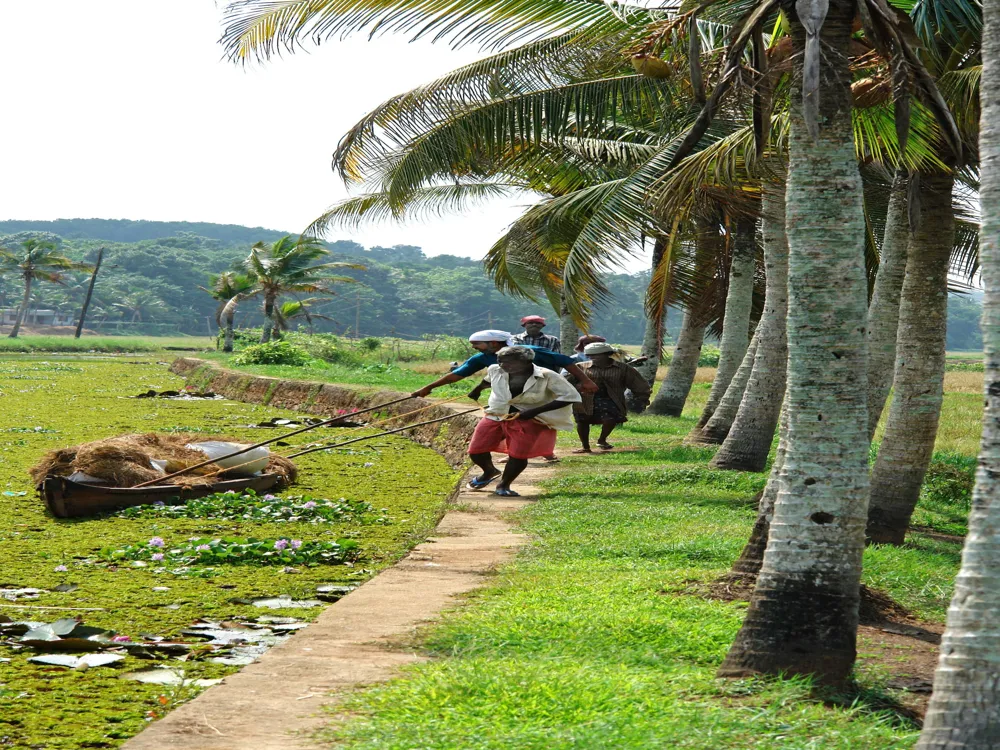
{"x":245,"y":464}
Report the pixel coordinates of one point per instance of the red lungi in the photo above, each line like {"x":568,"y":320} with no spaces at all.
{"x":518,"y":438}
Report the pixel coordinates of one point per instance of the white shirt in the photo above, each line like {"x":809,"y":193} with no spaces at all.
{"x":541,"y":387}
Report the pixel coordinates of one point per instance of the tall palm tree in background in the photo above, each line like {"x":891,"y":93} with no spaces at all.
{"x":287,"y":266}
{"x":228,"y":288}
{"x":964,"y":711}
{"x":918,"y":381}
{"x":36,"y":260}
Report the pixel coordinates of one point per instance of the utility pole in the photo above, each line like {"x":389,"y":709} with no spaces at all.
{"x":357,"y":318}
{"x":90,"y":292}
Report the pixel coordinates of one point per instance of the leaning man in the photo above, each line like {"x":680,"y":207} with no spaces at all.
{"x":527,"y":405}
{"x":488,"y":343}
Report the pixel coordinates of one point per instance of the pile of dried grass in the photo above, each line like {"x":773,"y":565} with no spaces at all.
{"x":124,"y":461}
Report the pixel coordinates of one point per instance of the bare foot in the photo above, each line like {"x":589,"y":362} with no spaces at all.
{"x":605,"y":446}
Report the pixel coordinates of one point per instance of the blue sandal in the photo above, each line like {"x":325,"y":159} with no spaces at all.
{"x":476,"y":484}
{"x":506,"y":493}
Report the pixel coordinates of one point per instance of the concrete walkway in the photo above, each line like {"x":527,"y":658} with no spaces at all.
{"x":276,"y":702}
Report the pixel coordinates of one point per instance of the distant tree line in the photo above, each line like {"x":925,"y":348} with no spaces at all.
{"x":154,"y":275}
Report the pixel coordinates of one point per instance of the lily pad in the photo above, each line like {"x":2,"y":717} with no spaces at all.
{"x":281,"y":602}
{"x":76,"y":662}
{"x":14,"y":594}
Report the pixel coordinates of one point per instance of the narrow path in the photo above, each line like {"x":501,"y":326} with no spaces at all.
{"x":277,"y":702}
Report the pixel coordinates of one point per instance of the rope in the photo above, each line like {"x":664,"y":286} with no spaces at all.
{"x":355,"y":440}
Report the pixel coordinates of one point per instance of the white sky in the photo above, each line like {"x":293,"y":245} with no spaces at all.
{"x":124,"y":109}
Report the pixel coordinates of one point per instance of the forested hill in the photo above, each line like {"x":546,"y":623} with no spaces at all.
{"x":154,"y":270}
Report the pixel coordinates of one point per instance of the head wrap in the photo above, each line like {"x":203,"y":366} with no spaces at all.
{"x":598,"y":347}
{"x":532,"y":319}
{"x":587,"y":339}
{"x":491,"y":334}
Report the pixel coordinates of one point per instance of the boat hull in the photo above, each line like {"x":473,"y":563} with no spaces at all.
{"x":67,"y":499}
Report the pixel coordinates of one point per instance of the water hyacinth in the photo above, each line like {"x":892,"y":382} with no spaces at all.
{"x":240,"y":551}
{"x":60,"y":569}
{"x":249,"y":506}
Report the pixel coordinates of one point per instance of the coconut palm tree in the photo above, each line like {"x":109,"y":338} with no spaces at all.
{"x":141,"y":305}
{"x":804,"y":609}
{"x":286,"y":266}
{"x":747,"y":438}
{"x":292,"y":310}
{"x":36,"y":260}
{"x":736,"y":324}
{"x":228,"y":287}
{"x":918,"y":380}
{"x":964,"y":711}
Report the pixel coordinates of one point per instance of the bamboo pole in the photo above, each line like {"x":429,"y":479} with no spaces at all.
{"x":380,"y":434}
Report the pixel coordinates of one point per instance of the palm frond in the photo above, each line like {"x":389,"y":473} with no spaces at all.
{"x":262,"y":28}
{"x":424,"y":203}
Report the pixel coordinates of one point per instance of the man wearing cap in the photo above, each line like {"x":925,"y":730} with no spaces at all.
{"x":533,"y":336}
{"x":488,"y":343}
{"x":606,"y":406}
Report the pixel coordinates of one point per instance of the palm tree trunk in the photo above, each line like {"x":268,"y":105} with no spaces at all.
{"x":964,"y":711}
{"x":568,"y":332}
{"x":265,"y":335}
{"x":230,"y":314}
{"x":22,"y":309}
{"x":736,"y":320}
{"x":653,"y":337}
{"x":918,"y":384}
{"x":883,"y":312}
{"x":752,"y":557}
{"x":749,"y":439}
{"x":715,"y":431}
{"x":674,"y":390}
{"x":803,"y":614}
{"x":90,"y":293}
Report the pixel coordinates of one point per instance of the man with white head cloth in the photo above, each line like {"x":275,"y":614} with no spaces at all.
{"x":488,"y":343}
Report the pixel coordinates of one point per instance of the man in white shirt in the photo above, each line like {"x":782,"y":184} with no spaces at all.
{"x":527,"y":405}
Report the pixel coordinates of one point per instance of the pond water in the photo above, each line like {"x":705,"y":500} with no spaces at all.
{"x":103,"y":571}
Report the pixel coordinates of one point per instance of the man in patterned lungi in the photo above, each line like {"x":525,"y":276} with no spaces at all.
{"x":527,"y":405}
{"x":607,"y":406}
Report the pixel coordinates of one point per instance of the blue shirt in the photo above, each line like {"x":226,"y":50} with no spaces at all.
{"x":543,"y":358}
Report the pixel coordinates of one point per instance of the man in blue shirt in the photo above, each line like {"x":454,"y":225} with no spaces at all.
{"x":488,"y":343}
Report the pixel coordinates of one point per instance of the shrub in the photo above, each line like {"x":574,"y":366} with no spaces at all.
{"x":325,"y":346}
{"x":370,"y":343}
{"x":273,"y":353}
{"x":709,"y":357}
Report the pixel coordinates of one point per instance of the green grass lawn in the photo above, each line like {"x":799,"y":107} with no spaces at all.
{"x":600,"y":636}
{"x":46,"y":404}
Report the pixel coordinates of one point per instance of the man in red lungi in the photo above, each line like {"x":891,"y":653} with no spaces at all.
{"x":527,"y":405}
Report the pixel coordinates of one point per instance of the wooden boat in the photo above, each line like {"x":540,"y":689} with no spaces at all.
{"x":68,"y":499}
